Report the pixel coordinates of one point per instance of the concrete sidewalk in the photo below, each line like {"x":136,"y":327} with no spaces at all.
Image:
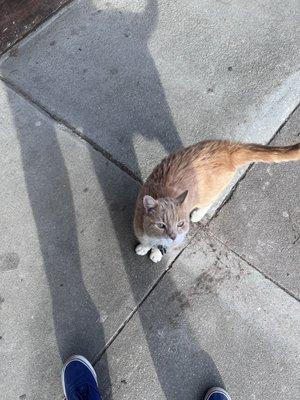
{"x":89,"y":103}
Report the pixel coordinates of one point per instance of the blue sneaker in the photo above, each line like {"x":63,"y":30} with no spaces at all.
{"x":79,"y":379}
{"x":217,"y":393}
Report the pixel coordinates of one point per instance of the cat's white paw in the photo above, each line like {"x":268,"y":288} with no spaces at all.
{"x":198,"y":214}
{"x":142,"y":250}
{"x":155,"y":255}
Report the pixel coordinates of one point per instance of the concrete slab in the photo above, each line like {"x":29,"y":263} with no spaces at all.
{"x":261,"y":222}
{"x":69,"y":277}
{"x":142,"y":78}
{"x":212,"y":320}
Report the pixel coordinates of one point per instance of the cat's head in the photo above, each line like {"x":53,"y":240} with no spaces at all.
{"x":166,"y":218}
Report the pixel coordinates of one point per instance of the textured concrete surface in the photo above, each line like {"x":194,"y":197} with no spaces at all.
{"x":142,"y":78}
{"x":213,"y":320}
{"x":69,"y":276}
{"x":139,"y":79}
{"x":261,"y":222}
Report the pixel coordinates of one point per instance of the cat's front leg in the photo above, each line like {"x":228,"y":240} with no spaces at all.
{"x":155,"y":255}
{"x":198,"y":213}
{"x":142,"y":249}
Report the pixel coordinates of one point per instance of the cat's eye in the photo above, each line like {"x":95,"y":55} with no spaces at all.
{"x":160,"y":225}
{"x":180,"y":224}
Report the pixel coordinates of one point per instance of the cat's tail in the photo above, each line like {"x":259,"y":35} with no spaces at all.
{"x":248,"y":153}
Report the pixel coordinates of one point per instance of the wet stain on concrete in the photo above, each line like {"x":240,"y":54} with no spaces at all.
{"x":9,"y":261}
{"x":181,"y":299}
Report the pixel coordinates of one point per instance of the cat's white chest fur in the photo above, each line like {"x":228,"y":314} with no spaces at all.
{"x":166,"y":242}
{"x":149,"y":243}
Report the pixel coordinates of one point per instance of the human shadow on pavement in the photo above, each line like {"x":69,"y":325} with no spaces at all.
{"x":149,"y":117}
{"x":131,"y":104}
{"x":76,"y":319}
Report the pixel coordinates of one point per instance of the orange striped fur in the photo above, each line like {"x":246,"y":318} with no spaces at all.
{"x":203,"y":171}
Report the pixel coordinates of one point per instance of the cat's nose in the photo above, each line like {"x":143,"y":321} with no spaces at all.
{"x":172,"y":236}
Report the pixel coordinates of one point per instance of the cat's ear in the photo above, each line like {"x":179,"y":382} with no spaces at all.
{"x":149,"y":203}
{"x":180,"y":199}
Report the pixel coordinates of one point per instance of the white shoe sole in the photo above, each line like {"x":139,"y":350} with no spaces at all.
{"x":84,"y":361}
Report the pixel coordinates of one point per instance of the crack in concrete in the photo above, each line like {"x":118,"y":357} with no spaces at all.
{"x":98,"y":355}
{"x":61,"y":121}
{"x":253,"y":266}
{"x":227,"y":195}
{"x":125,"y":169}
{"x":295,"y":232}
{"x":283,"y":123}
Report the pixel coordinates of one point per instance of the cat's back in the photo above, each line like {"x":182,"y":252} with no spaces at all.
{"x":174,"y":173}
{"x":182,"y":170}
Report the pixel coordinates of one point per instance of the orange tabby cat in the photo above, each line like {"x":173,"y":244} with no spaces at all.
{"x":185,"y":184}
